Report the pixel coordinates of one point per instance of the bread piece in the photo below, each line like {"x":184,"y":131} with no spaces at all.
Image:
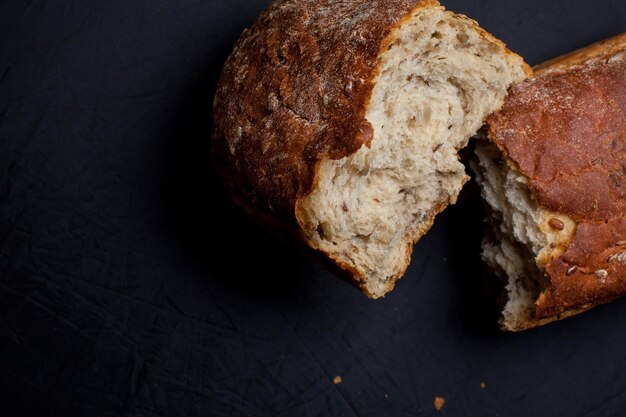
{"x":342,"y":120}
{"x":554,"y":177}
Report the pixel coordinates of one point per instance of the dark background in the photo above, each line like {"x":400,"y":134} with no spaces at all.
{"x":112,"y":304}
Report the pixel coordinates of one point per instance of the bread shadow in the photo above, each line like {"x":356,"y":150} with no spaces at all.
{"x":221,"y":240}
{"x":477,"y":289}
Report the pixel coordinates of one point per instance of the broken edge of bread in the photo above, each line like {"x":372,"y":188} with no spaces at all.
{"x":552,"y":169}
{"x":344,"y":119}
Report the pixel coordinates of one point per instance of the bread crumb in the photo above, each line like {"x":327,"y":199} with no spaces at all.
{"x":483,"y":385}
{"x":439,"y":402}
{"x":337,"y":380}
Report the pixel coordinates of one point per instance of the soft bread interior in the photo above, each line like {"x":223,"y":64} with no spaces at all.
{"x":522,"y":240}
{"x":437,"y":82}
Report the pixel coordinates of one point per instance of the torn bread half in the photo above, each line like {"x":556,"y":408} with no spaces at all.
{"x":341,"y":120}
{"x":553,"y":172}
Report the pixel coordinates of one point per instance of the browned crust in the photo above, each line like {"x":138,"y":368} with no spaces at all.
{"x":294,"y":92}
{"x":565,"y":131}
{"x":537,"y":322}
{"x":596,"y":261}
{"x":602,"y":49}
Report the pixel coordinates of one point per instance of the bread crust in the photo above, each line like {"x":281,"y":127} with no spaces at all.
{"x":294,"y":92}
{"x":565,"y":131}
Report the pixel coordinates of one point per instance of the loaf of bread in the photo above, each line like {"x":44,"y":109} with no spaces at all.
{"x":553,"y":172}
{"x":341,"y":121}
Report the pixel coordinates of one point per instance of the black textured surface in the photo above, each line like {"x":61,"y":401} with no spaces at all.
{"x":111,"y":303}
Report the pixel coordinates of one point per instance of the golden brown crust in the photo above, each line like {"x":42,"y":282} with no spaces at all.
{"x":565,"y":131}
{"x":602,"y":49}
{"x":536,"y":322}
{"x":592,"y":271}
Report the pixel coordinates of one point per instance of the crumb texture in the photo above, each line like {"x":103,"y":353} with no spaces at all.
{"x":438,"y":80}
{"x":524,"y":235}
